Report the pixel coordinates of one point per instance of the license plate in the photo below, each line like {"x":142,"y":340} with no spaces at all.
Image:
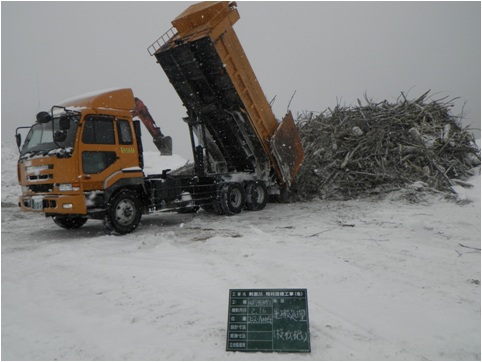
{"x":37,"y":203}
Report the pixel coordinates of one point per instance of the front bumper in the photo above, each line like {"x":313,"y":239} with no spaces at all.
{"x":54,"y":204}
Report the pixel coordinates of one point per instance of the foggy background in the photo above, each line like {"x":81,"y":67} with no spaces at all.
{"x":328,"y":52}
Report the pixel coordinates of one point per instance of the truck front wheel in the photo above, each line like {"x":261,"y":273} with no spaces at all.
{"x":69,"y":222}
{"x":124,"y":213}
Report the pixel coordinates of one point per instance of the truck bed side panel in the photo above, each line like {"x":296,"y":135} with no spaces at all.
{"x":206,"y":90}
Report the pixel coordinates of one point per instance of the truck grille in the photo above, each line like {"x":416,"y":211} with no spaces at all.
{"x":41,"y":188}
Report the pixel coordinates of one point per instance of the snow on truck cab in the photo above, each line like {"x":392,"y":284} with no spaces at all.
{"x":84,"y":159}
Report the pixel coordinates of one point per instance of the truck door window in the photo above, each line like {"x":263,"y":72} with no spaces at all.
{"x":95,"y":161}
{"x":98,"y":130}
{"x":124,"y":130}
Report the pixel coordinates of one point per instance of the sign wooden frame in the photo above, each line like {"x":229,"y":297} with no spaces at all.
{"x":268,"y":320}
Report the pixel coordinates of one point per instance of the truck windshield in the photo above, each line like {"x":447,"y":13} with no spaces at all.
{"x":40,"y":137}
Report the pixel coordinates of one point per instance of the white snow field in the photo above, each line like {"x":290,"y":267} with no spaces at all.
{"x":391,"y":279}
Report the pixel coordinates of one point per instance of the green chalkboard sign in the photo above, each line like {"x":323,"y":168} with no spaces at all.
{"x":268,"y":320}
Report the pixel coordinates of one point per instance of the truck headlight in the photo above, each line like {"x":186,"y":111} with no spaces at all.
{"x":65,"y":187}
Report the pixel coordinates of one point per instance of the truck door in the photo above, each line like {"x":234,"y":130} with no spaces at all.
{"x":129,"y":155}
{"x":99,"y":151}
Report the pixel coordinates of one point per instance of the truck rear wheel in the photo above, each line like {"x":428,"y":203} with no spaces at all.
{"x":124,"y":213}
{"x":256,"y":195}
{"x":232,"y":198}
{"x":69,"y":222}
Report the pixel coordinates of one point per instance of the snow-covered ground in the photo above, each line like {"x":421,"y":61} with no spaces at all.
{"x":386,"y":280}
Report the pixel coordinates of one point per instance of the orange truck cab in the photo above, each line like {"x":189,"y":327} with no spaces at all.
{"x":75,"y":157}
{"x":84,"y":160}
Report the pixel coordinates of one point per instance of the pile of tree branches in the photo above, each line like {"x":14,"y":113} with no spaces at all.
{"x":377,"y":147}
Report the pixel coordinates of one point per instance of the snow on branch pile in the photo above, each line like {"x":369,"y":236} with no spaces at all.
{"x":377,"y":147}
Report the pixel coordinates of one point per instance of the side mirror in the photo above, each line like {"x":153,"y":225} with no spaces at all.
{"x":64,"y":122}
{"x":43,"y":117}
{"x":18,"y":138}
{"x":60,"y":136}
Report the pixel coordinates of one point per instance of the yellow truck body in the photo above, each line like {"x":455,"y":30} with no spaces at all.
{"x":84,"y":159}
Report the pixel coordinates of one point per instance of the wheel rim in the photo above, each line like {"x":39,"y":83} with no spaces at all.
{"x":125,"y":212}
{"x":236,"y":198}
{"x":258,"y":194}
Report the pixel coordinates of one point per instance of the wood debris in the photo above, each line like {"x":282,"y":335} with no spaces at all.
{"x":377,"y":147}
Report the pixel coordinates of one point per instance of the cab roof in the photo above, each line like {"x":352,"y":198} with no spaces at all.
{"x":121,"y":99}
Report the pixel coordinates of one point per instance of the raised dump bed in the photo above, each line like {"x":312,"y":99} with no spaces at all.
{"x":233,"y":129}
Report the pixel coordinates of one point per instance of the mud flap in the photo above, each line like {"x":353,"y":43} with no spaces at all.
{"x":164,"y":145}
{"x":287,"y":149}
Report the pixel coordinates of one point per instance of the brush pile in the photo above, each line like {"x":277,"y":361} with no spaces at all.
{"x":352,"y":152}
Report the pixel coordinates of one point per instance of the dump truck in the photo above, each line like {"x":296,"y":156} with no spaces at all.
{"x":84,"y":158}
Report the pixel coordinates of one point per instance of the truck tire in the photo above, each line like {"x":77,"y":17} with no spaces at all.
{"x":256,"y":195}
{"x":69,"y":222}
{"x":124,"y":213}
{"x":232,"y":198}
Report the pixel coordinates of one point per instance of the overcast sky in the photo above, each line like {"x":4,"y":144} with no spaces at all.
{"x":328,"y":52}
